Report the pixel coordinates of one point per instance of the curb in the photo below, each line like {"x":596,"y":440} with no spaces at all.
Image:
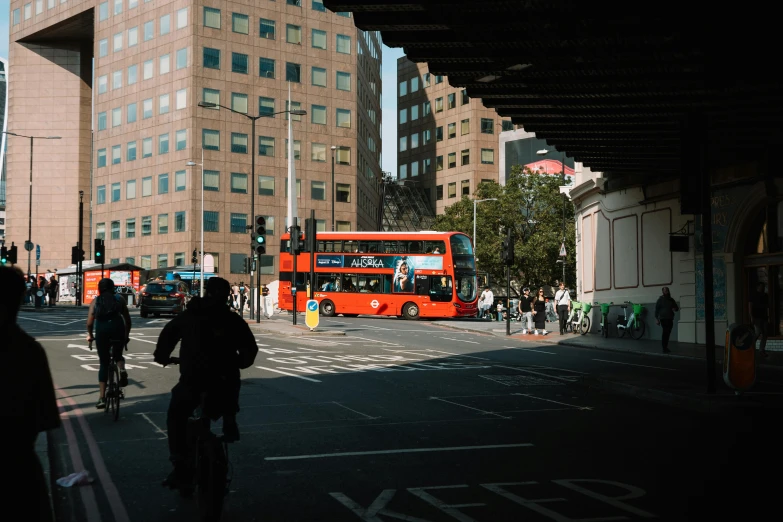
{"x":302,"y":331}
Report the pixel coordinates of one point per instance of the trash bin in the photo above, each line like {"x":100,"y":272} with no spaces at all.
{"x":739,"y":358}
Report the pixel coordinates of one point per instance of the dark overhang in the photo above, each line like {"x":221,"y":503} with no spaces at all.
{"x":609,"y":83}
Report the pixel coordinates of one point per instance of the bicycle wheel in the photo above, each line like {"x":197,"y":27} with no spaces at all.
{"x":108,"y":394}
{"x":584,"y":326}
{"x":637,"y":329}
{"x":114,"y":399}
{"x":211,"y":472}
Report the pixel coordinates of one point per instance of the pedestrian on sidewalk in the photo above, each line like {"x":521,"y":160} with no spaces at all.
{"x":485,"y":302}
{"x":563,"y":303}
{"x":29,"y":405}
{"x":759,"y":316}
{"x":665,"y":309}
{"x":539,"y":312}
{"x":268,"y":311}
{"x":54,"y":289}
{"x":526,"y":310}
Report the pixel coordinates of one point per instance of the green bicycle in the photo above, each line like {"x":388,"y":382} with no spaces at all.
{"x":634,"y":324}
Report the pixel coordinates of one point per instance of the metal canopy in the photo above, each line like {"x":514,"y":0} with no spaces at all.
{"x":609,"y":83}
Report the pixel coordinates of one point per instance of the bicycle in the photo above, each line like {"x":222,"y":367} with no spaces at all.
{"x":633,"y":324}
{"x":114,"y":392}
{"x":582,"y":322}
{"x":210,"y":462}
{"x":604,"y":326}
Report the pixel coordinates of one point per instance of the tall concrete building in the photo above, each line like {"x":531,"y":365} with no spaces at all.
{"x":120,"y":81}
{"x":447,"y":142}
{"x":3,"y":121}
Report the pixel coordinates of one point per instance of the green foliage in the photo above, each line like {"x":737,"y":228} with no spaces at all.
{"x":532,"y":205}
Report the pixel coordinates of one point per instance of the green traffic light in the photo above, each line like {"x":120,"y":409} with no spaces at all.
{"x":260,"y":240}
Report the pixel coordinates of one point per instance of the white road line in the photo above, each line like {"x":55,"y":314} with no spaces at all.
{"x":530,"y":350}
{"x":639,"y":365}
{"x":525,"y":370}
{"x":397,"y":451}
{"x":460,"y":355}
{"x":558,"y":369}
{"x":143,"y":340}
{"x":587,"y":408}
{"x":261,"y":344}
{"x":356,"y":412}
{"x":288,"y":374}
{"x":470,"y":408}
{"x":376,"y":341}
{"x":157,"y":428}
{"x":460,"y":340}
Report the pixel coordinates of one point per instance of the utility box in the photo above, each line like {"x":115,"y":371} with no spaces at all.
{"x":739,"y":358}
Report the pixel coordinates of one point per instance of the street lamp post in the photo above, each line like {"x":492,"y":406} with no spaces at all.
{"x":544,"y":152}
{"x":28,"y":243}
{"x":334,"y":148}
{"x":201,"y":248}
{"x":475,"y":202}
{"x":253,"y":119}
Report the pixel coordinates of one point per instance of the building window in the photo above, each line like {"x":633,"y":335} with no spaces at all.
{"x":211,"y":58}
{"x":239,"y":63}
{"x":425,"y":108}
{"x":239,"y":102}
{"x":266,"y":146}
{"x":426,"y":166}
{"x":211,"y":17}
{"x":211,"y":96}
{"x":117,"y":43}
{"x":465,"y":185}
{"x":465,"y":98}
{"x":318,"y":190}
{"x":163,"y":183}
{"x":116,"y":154}
{"x":179,"y":221}
{"x":318,"y":152}
{"x":403,"y":143}
{"x":115,"y":192}
{"x":414,"y":140}
{"x":266,"y":106}
{"x":146,"y":108}
{"x":465,"y":127}
{"x":414,"y":84}
{"x":343,"y":193}
{"x":146,"y":227}
{"x":438,"y":79}
{"x":131,"y":110}
{"x":319,"y":39}
{"x":403,"y":116}
{"x":439,"y":192}
{"x":130,"y":228}
{"x":146,"y":262}
{"x":426,"y":79}
{"x":179,"y":259}
{"x":343,"y":44}
{"x":181,"y":139}
{"x":163,"y":143}
{"x":211,"y":221}
{"x":487,"y":126}
{"x":103,"y":11}
{"x":318,"y":5}
{"x":146,"y":186}
{"x":132,"y":74}
{"x":343,"y":226}
{"x":103,"y":84}
{"x":293,"y":72}
{"x":115,"y":229}
{"x":240,"y":23}
{"x":414,"y":169}
{"x":165,"y":24}
{"x":318,"y":76}
{"x":426,"y":137}
{"x":453,"y":190}
{"x":210,"y":139}
{"x":163,"y":260}
{"x":149,"y":30}
{"x":344,"y":118}
{"x":293,"y":34}
{"x":130,"y":151}
{"x":147,"y":69}
{"x":182,"y":58}
{"x":101,"y":195}
{"x":100,"y":231}
{"x":238,"y":223}
{"x":439,"y":163}
{"x":180,"y":180}
{"x":181,"y":99}
{"x":130,"y":189}
{"x":17,"y":17}
{"x":439,"y":134}
{"x":238,"y":183}
{"x":488,"y":156}
{"x":266,"y":186}
{"x":146,"y":148}
{"x":452,"y":130}
{"x":318,"y":114}
{"x":182,"y":18}
{"x":297,"y":149}
{"x":101,"y":121}
{"x":403,"y":88}
{"x":465,"y":155}
{"x":507,"y":125}
{"x":116,"y":80}
{"x":415,"y":112}
{"x":343,"y":81}
{"x":212,"y":180}
{"x":266,"y":68}
{"x":103,"y":47}
{"x":452,"y":160}
{"x":266,"y":29}
{"x":164,"y":64}
{"x":101,"y":158}
{"x":439,"y":104}
{"x":239,"y":143}
{"x":343,"y":155}
{"x":163,"y":104}
{"x":403,"y":171}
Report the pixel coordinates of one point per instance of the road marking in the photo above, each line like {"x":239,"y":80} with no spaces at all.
{"x":143,"y":340}
{"x":157,"y":428}
{"x":640,"y":365}
{"x":585,"y":408}
{"x":376,"y":341}
{"x":79,"y":346}
{"x":356,"y":412}
{"x":288,"y":374}
{"x":529,"y":350}
{"x":470,"y":408}
{"x":460,"y":340}
{"x":558,"y":369}
{"x":564,"y":379}
{"x":398,"y":451}
{"x":460,"y":355}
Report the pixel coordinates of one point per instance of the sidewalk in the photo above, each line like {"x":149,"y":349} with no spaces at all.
{"x":282,"y":324}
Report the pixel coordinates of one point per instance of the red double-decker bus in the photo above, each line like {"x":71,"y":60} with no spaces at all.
{"x":406,"y":274}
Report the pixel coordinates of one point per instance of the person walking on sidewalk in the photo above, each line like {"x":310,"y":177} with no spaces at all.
{"x":485,"y":302}
{"x":539,"y":312}
{"x":665,"y":309}
{"x":563,"y":303}
{"x":526,"y":310}
{"x":759,"y":316}
{"x":54,"y":289}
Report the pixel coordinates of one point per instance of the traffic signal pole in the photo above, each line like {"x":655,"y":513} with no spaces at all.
{"x":79,"y":262}
{"x":311,"y":240}
{"x":294,"y":254}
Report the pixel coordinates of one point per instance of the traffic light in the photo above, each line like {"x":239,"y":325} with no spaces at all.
{"x":245,"y":268}
{"x":508,"y":247}
{"x":77,"y":254}
{"x":504,"y":251}
{"x":194,"y":259}
{"x":259,"y":237}
{"x":3,"y":255}
{"x":296,"y":246}
{"x":12,"y":254}
{"x":100,"y":251}
{"x":311,"y":244}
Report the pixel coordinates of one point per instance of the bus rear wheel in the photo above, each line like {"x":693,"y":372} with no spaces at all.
{"x":410,"y":311}
{"x":327,"y":308}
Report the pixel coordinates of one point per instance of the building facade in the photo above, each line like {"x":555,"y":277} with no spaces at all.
{"x":3,"y":120}
{"x":447,"y":142}
{"x":127,"y":138}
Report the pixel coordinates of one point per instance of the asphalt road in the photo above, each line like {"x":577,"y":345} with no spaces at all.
{"x":411,"y":421}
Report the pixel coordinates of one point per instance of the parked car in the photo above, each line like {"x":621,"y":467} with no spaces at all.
{"x":167,"y":297}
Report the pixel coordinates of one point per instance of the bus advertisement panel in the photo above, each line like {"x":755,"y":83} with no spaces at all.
{"x":407,"y":274}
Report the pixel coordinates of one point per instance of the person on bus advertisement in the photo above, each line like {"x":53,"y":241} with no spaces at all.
{"x":403,"y":276}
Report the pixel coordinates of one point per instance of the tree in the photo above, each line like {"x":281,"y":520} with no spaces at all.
{"x":529,"y":203}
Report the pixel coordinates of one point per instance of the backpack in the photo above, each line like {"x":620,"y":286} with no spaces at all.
{"x":107,"y":307}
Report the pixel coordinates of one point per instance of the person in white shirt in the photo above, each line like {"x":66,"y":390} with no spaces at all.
{"x":563,"y":302}
{"x":485,"y":301}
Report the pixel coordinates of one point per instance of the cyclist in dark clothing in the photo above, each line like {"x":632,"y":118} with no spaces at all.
{"x":111,"y":320}
{"x":216,"y":344}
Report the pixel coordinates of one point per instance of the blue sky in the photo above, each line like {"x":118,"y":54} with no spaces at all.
{"x":388,"y":101}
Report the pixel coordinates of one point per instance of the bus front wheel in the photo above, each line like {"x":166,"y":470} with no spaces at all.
{"x":410,"y":311}
{"x":327,"y":308}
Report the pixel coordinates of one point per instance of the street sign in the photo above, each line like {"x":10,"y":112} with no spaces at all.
{"x":28,"y":245}
{"x":311,"y":314}
{"x":562,"y":250}
{"x":37,"y":253}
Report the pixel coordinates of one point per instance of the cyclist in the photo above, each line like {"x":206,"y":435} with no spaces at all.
{"x":110,"y":318}
{"x":216,"y":344}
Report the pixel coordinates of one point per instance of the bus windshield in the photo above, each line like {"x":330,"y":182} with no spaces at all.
{"x":460,"y":245}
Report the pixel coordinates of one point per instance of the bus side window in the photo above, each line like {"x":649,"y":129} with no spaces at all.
{"x":385,"y":284}
{"x":422,"y":285}
{"x":415,"y":247}
{"x":285,"y":246}
{"x":326,"y":282}
{"x":350,"y":246}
